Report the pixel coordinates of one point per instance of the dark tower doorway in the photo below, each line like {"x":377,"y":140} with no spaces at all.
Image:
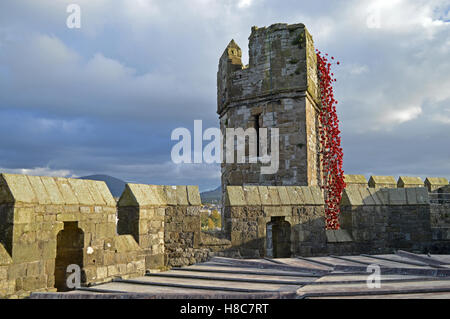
{"x":278,"y":236}
{"x":69,"y":250}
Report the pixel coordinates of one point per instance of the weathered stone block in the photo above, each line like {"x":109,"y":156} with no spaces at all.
{"x":235,"y":196}
{"x":251,"y":195}
{"x":193,"y":195}
{"x":382,"y":181}
{"x":408,"y":181}
{"x":20,"y":188}
{"x":3,"y":273}
{"x":264,"y":195}
{"x":35,"y":268}
{"x":270,"y":211}
{"x":434,"y":183}
{"x":113,"y":270}
{"x":68,"y":217}
{"x":356,"y":180}
{"x":274,"y":196}
{"x":23,"y":215}
{"x":182,"y":195}
{"x":102,"y":272}
{"x":47,"y":249}
{"x":25,"y":252}
{"x":89,"y":274}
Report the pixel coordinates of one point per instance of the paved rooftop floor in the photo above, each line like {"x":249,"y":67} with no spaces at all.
{"x":403,"y":275}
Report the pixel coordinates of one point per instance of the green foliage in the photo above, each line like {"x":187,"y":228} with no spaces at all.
{"x":212,"y":221}
{"x":210,"y":224}
{"x":204,"y":220}
{"x":216,"y":218}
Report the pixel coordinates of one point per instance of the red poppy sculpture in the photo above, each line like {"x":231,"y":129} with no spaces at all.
{"x":331,"y":151}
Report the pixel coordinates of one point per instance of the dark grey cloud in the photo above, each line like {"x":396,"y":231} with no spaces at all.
{"x":105,"y":98}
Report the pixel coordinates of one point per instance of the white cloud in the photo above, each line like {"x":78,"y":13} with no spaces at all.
{"x":402,"y":15}
{"x":244,"y":3}
{"x":442,"y":118}
{"x":39,"y":171}
{"x":357,"y":69}
{"x":402,"y":116}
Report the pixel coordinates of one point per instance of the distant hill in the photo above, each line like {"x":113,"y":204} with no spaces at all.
{"x":115,"y":185}
{"x":213,"y":197}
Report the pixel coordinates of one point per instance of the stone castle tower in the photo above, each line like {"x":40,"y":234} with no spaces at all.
{"x":279,"y":88}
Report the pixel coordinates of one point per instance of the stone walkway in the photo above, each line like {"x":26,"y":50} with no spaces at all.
{"x":403,"y":275}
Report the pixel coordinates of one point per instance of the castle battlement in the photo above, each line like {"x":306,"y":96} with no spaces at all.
{"x":433,"y":184}
{"x":278,"y":221}
{"x":282,"y":62}
{"x":49,"y":223}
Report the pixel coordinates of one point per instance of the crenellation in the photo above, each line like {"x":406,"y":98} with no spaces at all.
{"x":355,"y":180}
{"x":435,"y":183}
{"x":409,"y":181}
{"x":46,"y":222}
{"x":164,"y":220}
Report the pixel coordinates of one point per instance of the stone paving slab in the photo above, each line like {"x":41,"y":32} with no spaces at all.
{"x":403,"y":260}
{"x":243,"y":270}
{"x":363,"y":278}
{"x":437,"y":295}
{"x":302,"y":263}
{"x":428,"y":260}
{"x":279,"y":278}
{"x":382,"y":263}
{"x":135,"y":288}
{"x":213,"y":283}
{"x":235,"y":277}
{"x":443,"y":258}
{"x":267,"y":264}
{"x":362,"y":288}
{"x":203,"y":294}
{"x":334,"y":261}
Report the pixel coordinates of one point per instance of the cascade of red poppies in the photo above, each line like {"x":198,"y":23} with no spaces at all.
{"x":330,"y":140}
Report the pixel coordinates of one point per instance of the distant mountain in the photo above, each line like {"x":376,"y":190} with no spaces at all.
{"x":115,"y":185}
{"x":213,"y":197}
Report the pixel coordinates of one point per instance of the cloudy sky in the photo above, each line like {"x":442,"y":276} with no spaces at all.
{"x":104,"y":98}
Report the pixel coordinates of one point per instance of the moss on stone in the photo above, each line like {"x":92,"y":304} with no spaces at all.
{"x":299,"y":40}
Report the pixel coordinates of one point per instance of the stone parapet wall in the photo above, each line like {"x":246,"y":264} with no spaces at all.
{"x":119,"y":256}
{"x":217,"y":244}
{"x":373,"y":220}
{"x":48,"y":223}
{"x":433,"y":184}
{"x":7,"y":282}
{"x":249,"y":210}
{"x":440,"y":225}
{"x":165,"y":221}
{"x":381,"y":220}
{"x":440,"y":215}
